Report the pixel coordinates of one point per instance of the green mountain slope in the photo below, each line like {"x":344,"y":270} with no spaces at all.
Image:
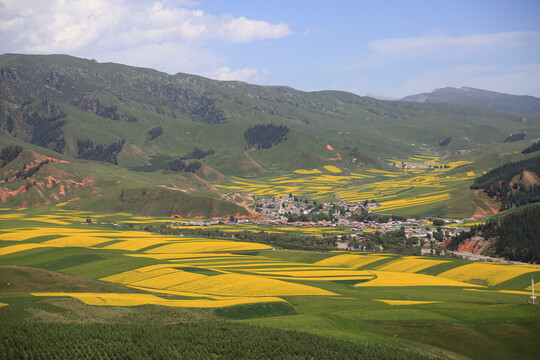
{"x":480,"y":98}
{"x":141,"y":120}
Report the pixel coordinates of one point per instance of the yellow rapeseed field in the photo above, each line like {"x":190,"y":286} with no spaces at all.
{"x":332,"y":168}
{"x":82,"y":240}
{"x":316,"y":273}
{"x":313,"y":171}
{"x":147,"y":272}
{"x":25,"y":234}
{"x":169,"y":280}
{"x":122,"y":299}
{"x":134,"y":244}
{"x":44,"y":218}
{"x":207,"y":246}
{"x":248,"y":285}
{"x":385,"y":278}
{"x":349,"y":260}
{"x":409,"y":264}
{"x":21,"y":247}
{"x":492,"y":274}
{"x":407,"y":302}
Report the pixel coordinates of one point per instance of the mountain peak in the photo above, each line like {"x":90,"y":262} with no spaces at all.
{"x":469,"y":96}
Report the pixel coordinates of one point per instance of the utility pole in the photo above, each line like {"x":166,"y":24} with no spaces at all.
{"x":532,"y":288}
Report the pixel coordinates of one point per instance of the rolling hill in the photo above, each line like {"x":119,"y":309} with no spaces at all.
{"x":123,"y":126}
{"x":480,"y":98}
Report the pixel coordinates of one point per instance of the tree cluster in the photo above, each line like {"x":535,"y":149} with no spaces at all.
{"x":96,"y":107}
{"x":445,"y":142}
{"x":516,"y":236}
{"x":391,"y":242}
{"x":46,"y":124}
{"x":29,"y":171}
{"x":186,"y":163}
{"x":382,"y":219}
{"x":106,"y":153}
{"x":310,"y":217}
{"x":155,"y":132}
{"x":199,"y":107}
{"x":515,"y":137}
{"x":265,"y":135}
{"x":197,"y":153}
{"x":180,"y":164}
{"x":9,"y":153}
{"x":498,"y":184}
{"x":131,"y":338}
{"x":533,"y":148}
{"x":206,"y":111}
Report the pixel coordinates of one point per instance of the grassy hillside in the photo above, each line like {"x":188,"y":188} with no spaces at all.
{"x":195,"y":111}
{"x":99,"y":186}
{"x":73,"y":108}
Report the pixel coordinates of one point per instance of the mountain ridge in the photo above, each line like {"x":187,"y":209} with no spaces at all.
{"x":468,"y":96}
{"x":141,"y":119}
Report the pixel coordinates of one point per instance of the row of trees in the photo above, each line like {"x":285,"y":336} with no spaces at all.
{"x":284,"y":241}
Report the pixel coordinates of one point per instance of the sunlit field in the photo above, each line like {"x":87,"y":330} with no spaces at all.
{"x":333,"y":294}
{"x":412,"y":186}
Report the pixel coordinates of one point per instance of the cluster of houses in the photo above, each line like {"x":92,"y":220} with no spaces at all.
{"x":278,"y":211}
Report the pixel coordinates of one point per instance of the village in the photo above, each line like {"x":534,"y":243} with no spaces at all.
{"x":356,"y":218}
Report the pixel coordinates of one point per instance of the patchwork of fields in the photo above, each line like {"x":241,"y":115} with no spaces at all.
{"x":416,"y":184}
{"x":349,"y":295}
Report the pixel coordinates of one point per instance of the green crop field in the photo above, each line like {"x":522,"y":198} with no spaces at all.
{"x":67,"y":279}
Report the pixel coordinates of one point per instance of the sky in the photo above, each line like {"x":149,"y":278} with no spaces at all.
{"x":386,"y":48}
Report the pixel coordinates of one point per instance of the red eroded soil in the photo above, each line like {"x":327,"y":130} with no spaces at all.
{"x":484,"y":205}
{"x":476,"y":245}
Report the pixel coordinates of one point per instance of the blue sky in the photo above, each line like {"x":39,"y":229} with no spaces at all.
{"x":390,"y":48}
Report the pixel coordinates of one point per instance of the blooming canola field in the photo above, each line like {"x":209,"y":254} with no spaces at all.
{"x":70,"y":263}
{"x":419,"y":181}
{"x":221,"y":273}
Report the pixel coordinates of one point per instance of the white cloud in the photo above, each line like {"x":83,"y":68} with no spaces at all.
{"x":224,"y":73}
{"x":115,"y":27}
{"x":243,"y":30}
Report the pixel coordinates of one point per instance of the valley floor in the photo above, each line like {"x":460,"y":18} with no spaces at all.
{"x":60,"y":270}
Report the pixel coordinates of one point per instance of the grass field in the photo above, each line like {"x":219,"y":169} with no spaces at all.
{"x":439,"y":307}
